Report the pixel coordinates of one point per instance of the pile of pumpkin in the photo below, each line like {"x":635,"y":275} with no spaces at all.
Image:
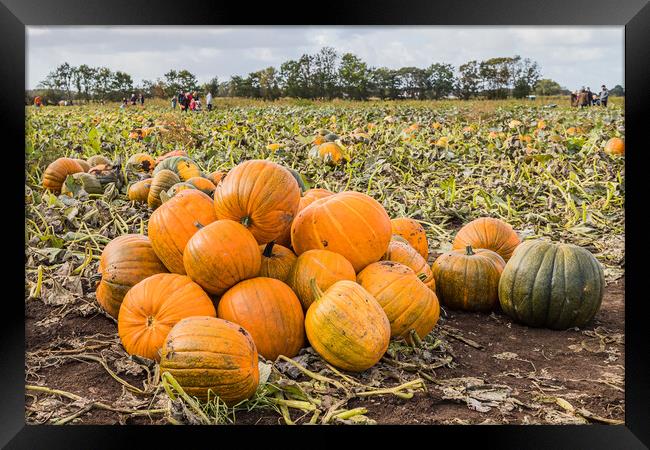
{"x":264,"y":266}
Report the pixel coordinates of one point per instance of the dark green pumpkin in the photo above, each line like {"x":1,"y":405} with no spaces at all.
{"x":468,"y":279}
{"x":299,"y":179}
{"x":551,"y":285}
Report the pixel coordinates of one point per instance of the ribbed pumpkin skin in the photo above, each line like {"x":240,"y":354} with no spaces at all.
{"x":615,"y":146}
{"x":408,"y":303}
{"x":216,"y":177}
{"x":221,"y":255}
{"x":487,"y":232}
{"x":347,"y":327}
{"x":139,"y":191}
{"x":171,"y":154}
{"x":182,"y":166}
{"x":141,"y":162}
{"x":271,"y":313}
{"x":180,"y":187}
{"x":330,"y":152}
{"x":552,"y":285}
{"x":309,"y":197}
{"x":262,"y":195}
{"x":206,"y":353}
{"x":83,"y":163}
{"x":277,"y":261}
{"x":202,"y":184}
{"x":56,"y":173}
{"x":350,"y":223}
{"x":403,"y":253}
{"x":162,"y":181}
{"x":125,"y":261}
{"x":322,"y":265}
{"x":175,"y":222}
{"x":468,"y":282}
{"x":413,"y":232}
{"x":153,"y":306}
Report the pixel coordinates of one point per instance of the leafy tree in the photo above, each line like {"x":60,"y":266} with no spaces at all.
{"x":290,"y":78}
{"x":122,"y":85}
{"x":211,"y":86}
{"x":617,"y":91}
{"x":84,"y":78}
{"x":521,"y":89}
{"x":61,"y":79}
{"x":354,"y":76}
{"x":469,"y":80}
{"x":548,"y":87}
{"x":323,"y":73}
{"x":177,"y":81}
{"x":413,"y":82}
{"x":384,"y":83}
{"x":268,"y":83}
{"x":441,"y":80}
{"x":496,"y":75}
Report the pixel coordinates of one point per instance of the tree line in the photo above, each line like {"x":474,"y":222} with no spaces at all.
{"x":323,"y":75}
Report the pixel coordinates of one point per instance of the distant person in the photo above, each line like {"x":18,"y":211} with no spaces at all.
{"x":142,"y":99}
{"x":124,"y":103}
{"x":38,"y":102}
{"x":208,"y":101}
{"x":133,"y":100}
{"x":574,"y":98}
{"x":174,"y":100}
{"x":590,"y":96}
{"x":604,"y":95}
{"x":583,"y":98}
{"x":181,"y":100}
{"x":192,"y":104}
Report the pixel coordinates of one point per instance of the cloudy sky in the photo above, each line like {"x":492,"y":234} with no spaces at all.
{"x":573,"y":56}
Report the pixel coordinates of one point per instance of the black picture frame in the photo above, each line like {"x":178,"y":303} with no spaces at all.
{"x":15,"y":15}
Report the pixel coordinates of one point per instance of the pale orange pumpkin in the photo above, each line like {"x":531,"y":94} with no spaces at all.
{"x":615,"y":146}
{"x":401,"y":252}
{"x":277,"y":261}
{"x":56,"y":173}
{"x":487,"y":232}
{"x":413,"y":232}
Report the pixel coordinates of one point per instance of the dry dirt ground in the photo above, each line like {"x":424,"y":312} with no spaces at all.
{"x":499,"y":372}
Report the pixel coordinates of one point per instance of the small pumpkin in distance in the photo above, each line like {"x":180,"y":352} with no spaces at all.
{"x":277,"y":261}
{"x":175,"y":222}
{"x":220,"y":255}
{"x":139,"y":191}
{"x":468,"y":279}
{"x":208,"y":356}
{"x":615,"y":147}
{"x":56,"y":173}
{"x":161,"y":182}
{"x":261,"y":195}
{"x":413,"y":232}
{"x":329,"y":152}
{"x":553,"y":285}
{"x":323,"y":266}
{"x":153,"y":306}
{"x":347,"y":327}
{"x":270,"y":311}
{"x":349,"y":223}
{"x":140,"y":162}
{"x":125,"y":261}
{"x":487,"y":232}
{"x":408,"y":303}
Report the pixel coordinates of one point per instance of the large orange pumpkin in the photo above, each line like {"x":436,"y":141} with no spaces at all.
{"x":175,"y":222}
{"x":323,"y":266}
{"x":350,"y":223}
{"x":615,"y":146}
{"x":413,"y":232}
{"x":271,"y":313}
{"x":408,"y":303}
{"x":401,"y":252}
{"x":329,"y":152}
{"x":468,"y":279}
{"x":309,"y":197}
{"x":490,"y":233}
{"x":347,"y":326}
{"x":261,"y":195}
{"x":139,"y":191}
{"x":56,"y":173}
{"x":153,"y":306}
{"x":125,"y":261}
{"x":211,"y":357}
{"x":161,"y":182}
{"x":221,"y":255}
{"x":277,"y":261}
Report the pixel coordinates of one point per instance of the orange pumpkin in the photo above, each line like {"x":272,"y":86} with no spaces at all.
{"x":211,"y":357}
{"x":330,"y":152}
{"x":261,"y":195}
{"x":182,"y":166}
{"x":403,"y":253}
{"x":413,"y":232}
{"x":56,"y":173}
{"x":139,"y":191}
{"x":277,"y":261}
{"x":271,"y":313}
{"x":161,"y":182}
{"x":175,"y":222}
{"x":408,"y":303}
{"x":350,"y":223}
{"x":153,"y":306}
{"x":309,"y":197}
{"x":202,"y":184}
{"x":615,"y":146}
{"x":489,"y":233}
{"x":170,"y":155}
{"x":347,"y":327}
{"x":125,"y":261}
{"x":83,"y":163}
{"x":323,"y":266}
{"x":221,"y":255}
{"x":141,"y":162}
{"x":216,"y":177}
{"x":468,"y":279}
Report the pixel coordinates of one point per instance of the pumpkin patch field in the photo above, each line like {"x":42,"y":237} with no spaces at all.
{"x":433,"y":262}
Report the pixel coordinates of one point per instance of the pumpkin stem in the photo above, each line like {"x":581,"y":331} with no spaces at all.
{"x":469,"y":251}
{"x":198,"y":225}
{"x":246,"y":221}
{"x":268,"y":250}
{"x":318,"y":293}
{"x":422,"y":276}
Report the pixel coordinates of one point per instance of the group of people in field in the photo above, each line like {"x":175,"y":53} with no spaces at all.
{"x":190,"y":101}
{"x":584,"y":97}
{"x":133,"y":101}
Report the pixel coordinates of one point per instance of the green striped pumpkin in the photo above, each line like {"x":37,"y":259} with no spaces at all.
{"x":551,"y":285}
